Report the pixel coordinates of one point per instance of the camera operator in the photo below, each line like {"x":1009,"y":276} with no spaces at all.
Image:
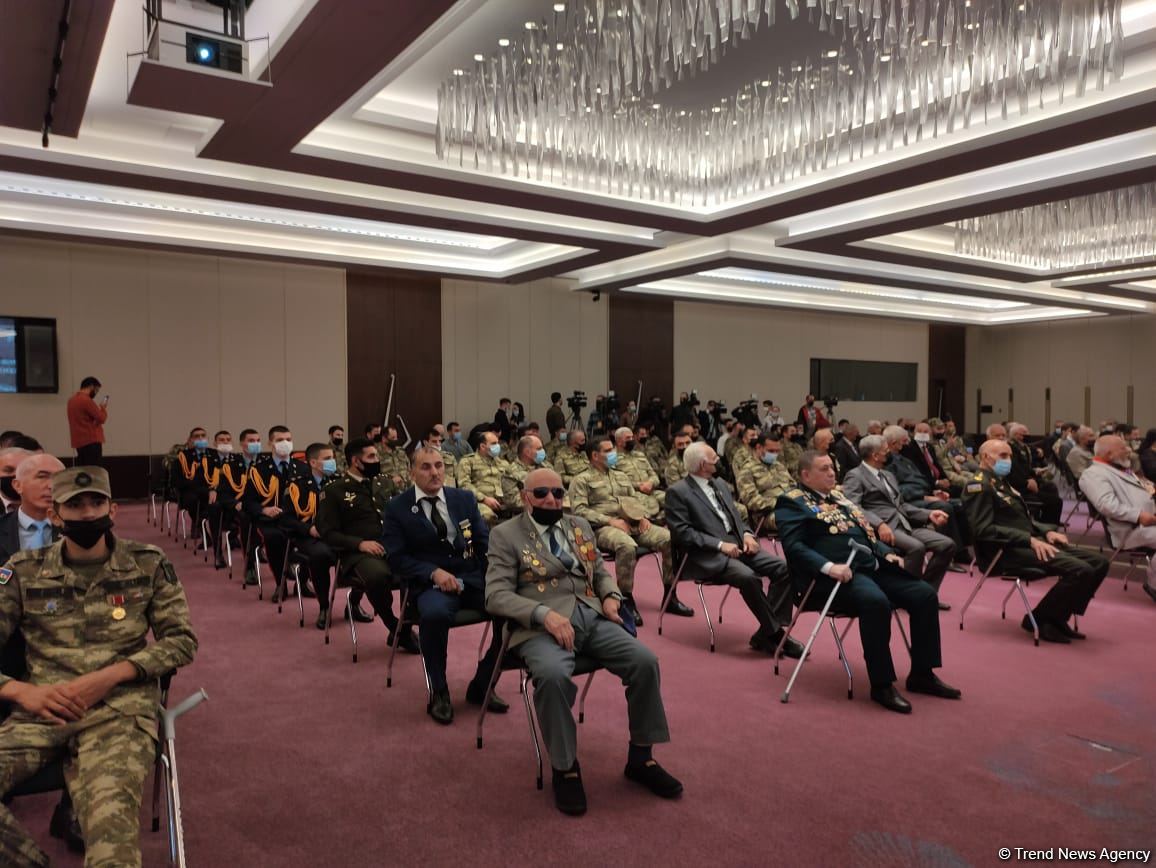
{"x":684,"y":413}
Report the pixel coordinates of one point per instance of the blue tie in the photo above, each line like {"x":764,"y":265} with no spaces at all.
{"x":556,"y":548}
{"x":45,"y":529}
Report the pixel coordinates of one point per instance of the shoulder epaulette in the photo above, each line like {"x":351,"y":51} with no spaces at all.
{"x":794,"y":492}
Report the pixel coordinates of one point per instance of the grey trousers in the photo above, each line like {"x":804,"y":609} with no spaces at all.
{"x":916,"y":544}
{"x":551,"y":667}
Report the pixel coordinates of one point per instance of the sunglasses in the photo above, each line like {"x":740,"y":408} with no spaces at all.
{"x":540,"y":493}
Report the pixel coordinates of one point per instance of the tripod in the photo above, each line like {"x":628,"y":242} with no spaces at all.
{"x":574,"y":423}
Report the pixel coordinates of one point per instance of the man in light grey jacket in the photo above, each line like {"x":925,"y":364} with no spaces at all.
{"x":908,"y":528}
{"x":1123,"y":498}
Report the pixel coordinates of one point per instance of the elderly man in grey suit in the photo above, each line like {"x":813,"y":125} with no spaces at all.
{"x":546,"y":575}
{"x":706,"y":526}
{"x":1123,"y":498}
{"x":908,"y":528}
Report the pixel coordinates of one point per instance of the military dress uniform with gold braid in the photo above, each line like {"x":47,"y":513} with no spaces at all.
{"x":999,"y":518}
{"x":268,"y":485}
{"x":228,"y":476}
{"x":303,"y":498}
{"x":636,"y":466}
{"x":348,"y":514}
{"x":570,"y":464}
{"x":77,"y":619}
{"x":534,"y":570}
{"x":600,"y":496}
{"x":481,"y":475}
{"x":191,"y":481}
{"x":814,"y":530}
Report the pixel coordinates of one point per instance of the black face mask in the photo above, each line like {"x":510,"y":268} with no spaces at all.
{"x":338,"y":441}
{"x":370,"y":469}
{"x":544,"y":516}
{"x":394,"y":443}
{"x":681,"y":452}
{"x":629,"y":447}
{"x":643,"y":439}
{"x":87,"y":534}
{"x":6,"y":487}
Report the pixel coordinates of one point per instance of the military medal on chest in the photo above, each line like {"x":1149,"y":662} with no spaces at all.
{"x":117,"y":603}
{"x":467,"y":535}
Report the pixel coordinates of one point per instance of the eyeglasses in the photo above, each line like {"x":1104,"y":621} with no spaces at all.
{"x":539,"y":493}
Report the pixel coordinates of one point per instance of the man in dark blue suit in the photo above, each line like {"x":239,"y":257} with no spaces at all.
{"x":436,"y":541}
{"x":815,"y":523}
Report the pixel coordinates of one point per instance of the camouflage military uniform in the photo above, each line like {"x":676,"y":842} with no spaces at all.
{"x":636,"y":466}
{"x":553,"y":448}
{"x":481,"y":475}
{"x":451,"y":469}
{"x":514,"y":475}
{"x":675,"y":470}
{"x":75,"y":621}
{"x":597,"y":496}
{"x":656,"y":453}
{"x":338,"y":456}
{"x":394,"y":464}
{"x":740,"y":458}
{"x":759,"y":487}
{"x":790,"y":456}
{"x":570,"y":464}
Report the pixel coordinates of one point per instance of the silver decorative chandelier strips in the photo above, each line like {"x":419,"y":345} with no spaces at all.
{"x":577,"y":99}
{"x":1103,"y":229}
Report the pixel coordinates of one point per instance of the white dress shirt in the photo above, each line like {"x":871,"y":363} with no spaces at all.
{"x":442,"y":507}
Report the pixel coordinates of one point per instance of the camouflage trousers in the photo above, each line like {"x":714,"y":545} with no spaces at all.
{"x":625,"y":547}
{"x":107,"y":756}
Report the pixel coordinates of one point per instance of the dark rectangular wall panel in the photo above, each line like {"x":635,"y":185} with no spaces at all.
{"x":641,"y":346}
{"x":394,"y":326}
{"x":946,"y":367}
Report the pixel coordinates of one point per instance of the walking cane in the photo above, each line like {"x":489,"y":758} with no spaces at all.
{"x":854,"y":547}
{"x":176,"y":830}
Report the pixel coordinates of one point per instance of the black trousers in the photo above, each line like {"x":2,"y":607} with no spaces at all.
{"x":1080,"y":572}
{"x":222,"y":517}
{"x":90,"y":455}
{"x":321,"y":559}
{"x":773,"y":608}
{"x":870,"y":597}
{"x":371,"y":576}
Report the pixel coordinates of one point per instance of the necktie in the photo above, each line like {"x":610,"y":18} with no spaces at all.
{"x":45,"y":530}
{"x":436,"y":517}
{"x":557,"y":550}
{"x":931,"y":465}
{"x":712,"y":496}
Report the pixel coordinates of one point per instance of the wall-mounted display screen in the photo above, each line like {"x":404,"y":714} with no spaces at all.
{"x":27,"y":355}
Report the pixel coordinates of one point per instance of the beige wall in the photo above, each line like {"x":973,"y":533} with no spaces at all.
{"x":727,"y":352}
{"x":523,"y":342}
{"x":1106,"y":354}
{"x":179,"y":340}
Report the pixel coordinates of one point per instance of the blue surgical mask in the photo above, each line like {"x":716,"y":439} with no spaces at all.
{"x":611,"y":459}
{"x":495,"y":449}
{"x":457,"y":436}
{"x":562,"y":437}
{"x":770,"y":458}
{"x":329,"y":466}
{"x":540,"y":456}
{"x":1002,"y":467}
{"x":201,"y":444}
{"x":253,"y":447}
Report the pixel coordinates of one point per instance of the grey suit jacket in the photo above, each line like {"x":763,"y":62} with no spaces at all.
{"x":865,"y":489}
{"x":522,"y":574}
{"x":696,"y":528}
{"x":1120,"y":497}
{"x":1079,"y":459}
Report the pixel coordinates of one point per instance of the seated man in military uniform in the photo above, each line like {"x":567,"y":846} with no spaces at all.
{"x":652,"y":446}
{"x":349,"y":519}
{"x":265,"y":499}
{"x":85,"y":605}
{"x":481,"y":475}
{"x":546,"y":576}
{"x":623,"y":519}
{"x":227,"y":476}
{"x":572,"y":460}
{"x":675,"y":470}
{"x":815,"y":523}
{"x":435,"y":439}
{"x":634,"y":463}
{"x":529,"y":455}
{"x":191,"y":477}
{"x":762,"y":480}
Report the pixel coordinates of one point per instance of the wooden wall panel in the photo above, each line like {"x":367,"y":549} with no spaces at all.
{"x":641,"y":347}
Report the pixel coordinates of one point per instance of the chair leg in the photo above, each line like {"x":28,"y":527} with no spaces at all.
{"x":1003,"y":608}
{"x":706,"y":613}
{"x":396,"y":638}
{"x":982,"y":578}
{"x":665,"y":602}
{"x":332,"y":598}
{"x":790,"y":627}
{"x":158,"y":774}
{"x":205,"y":538}
{"x":726,"y":594}
{"x":352,"y":624}
{"x":843,"y":656}
{"x":902,"y":631}
{"x":297,"y":589}
{"x":1028,"y":608}
{"x":227,"y":542}
{"x":582,"y":698}
{"x":482,"y":644}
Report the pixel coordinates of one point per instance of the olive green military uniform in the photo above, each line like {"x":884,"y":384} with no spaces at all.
{"x":451,"y":463}
{"x":732,"y":444}
{"x":953,"y":472}
{"x":675,"y":470}
{"x":514,"y":475}
{"x":77,"y":620}
{"x":637,"y":467}
{"x":570,"y":464}
{"x":790,"y":456}
{"x":760,"y":486}
{"x":656,"y":453}
{"x":554,"y":447}
{"x":349,"y":513}
{"x":740,"y":458}
{"x":481,"y":475}
{"x":599,"y":496}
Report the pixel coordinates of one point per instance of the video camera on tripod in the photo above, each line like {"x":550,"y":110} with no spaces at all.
{"x":747,"y":412}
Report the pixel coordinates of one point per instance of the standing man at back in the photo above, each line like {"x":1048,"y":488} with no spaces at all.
{"x":86,"y":420}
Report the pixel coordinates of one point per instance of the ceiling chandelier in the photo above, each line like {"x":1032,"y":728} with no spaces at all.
{"x":577,"y":99}
{"x":1103,"y":229}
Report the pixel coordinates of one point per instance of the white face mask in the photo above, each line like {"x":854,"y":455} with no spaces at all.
{"x":922,"y":438}
{"x":283,"y":448}
{"x":224,"y":448}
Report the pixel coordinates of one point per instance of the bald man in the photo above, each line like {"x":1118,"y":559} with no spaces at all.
{"x":1000,"y":519}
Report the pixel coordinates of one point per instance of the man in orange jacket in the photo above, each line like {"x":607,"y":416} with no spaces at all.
{"x":86,"y":420}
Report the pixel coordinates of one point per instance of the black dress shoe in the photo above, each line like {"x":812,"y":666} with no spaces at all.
{"x":1048,"y":632}
{"x":1068,"y":630}
{"x":306,"y":591}
{"x":220,"y":564}
{"x":891,"y":699}
{"x":321,"y":618}
{"x":569,"y":795}
{"x":679,"y":608}
{"x":66,"y":827}
{"x":655,"y":778}
{"x":358,"y":615}
{"x":474,"y":696}
{"x":407,"y":642}
{"x":793,"y":648}
{"x":930,"y":684}
{"x":629,"y":604}
{"x":440,"y":708}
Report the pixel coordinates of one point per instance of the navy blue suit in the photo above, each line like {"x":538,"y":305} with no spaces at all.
{"x":415,"y":551}
{"x":814,"y":530}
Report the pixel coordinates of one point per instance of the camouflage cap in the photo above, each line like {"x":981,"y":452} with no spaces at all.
{"x":935,"y":422}
{"x":79,"y":480}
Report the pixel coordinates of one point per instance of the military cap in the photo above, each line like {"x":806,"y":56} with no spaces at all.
{"x":80,"y":480}
{"x":935,"y":422}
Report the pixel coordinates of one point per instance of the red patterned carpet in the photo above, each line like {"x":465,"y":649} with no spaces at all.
{"x":302,"y":758}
